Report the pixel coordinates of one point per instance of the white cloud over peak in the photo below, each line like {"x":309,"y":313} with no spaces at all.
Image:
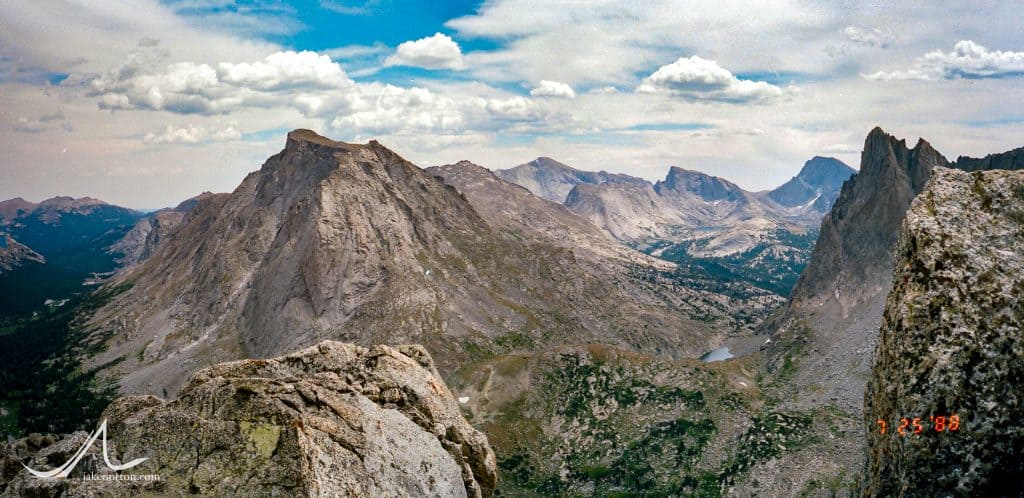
{"x":433,"y":52}
{"x":285,"y":70}
{"x":548,"y":88}
{"x":307,"y":84}
{"x":968,"y":60}
{"x":191,"y":88}
{"x":192,"y":134}
{"x":700,"y":79}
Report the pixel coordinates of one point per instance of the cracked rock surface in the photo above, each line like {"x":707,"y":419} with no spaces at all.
{"x":335,"y":419}
{"x":952,"y":340}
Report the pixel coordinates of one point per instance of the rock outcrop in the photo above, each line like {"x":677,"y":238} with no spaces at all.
{"x":1009,"y":160}
{"x":834,"y":313}
{"x":332,"y":420}
{"x":951,"y":344}
{"x":854,"y":249}
{"x":709,"y":188}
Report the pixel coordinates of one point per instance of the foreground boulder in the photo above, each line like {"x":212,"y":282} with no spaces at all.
{"x":332,"y":420}
{"x":949,"y":361}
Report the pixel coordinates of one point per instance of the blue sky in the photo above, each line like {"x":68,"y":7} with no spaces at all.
{"x":147,"y":102}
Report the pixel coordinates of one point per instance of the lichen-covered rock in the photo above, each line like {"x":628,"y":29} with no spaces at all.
{"x":332,"y":420}
{"x":952,"y":343}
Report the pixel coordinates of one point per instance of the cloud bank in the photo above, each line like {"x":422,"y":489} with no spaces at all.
{"x":968,"y":60}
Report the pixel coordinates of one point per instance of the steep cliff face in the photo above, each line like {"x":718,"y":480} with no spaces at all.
{"x":831,"y":322}
{"x":332,"y":420}
{"x":830,"y":325}
{"x":626,"y":212}
{"x":856,"y":239}
{"x":951,"y":344}
{"x":352,"y":242}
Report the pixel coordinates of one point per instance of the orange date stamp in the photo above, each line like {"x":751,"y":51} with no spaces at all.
{"x":919,"y":425}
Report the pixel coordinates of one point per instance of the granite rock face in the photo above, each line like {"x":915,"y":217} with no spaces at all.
{"x":951,"y":342}
{"x":830,"y":326}
{"x":1011,"y":159}
{"x":332,"y":420}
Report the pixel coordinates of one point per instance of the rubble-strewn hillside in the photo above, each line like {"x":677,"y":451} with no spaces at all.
{"x":598,"y":421}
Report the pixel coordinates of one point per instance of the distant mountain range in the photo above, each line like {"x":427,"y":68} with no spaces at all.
{"x":352,"y":242}
{"x":552,"y":180}
{"x":693,"y":218}
{"x":50,"y":248}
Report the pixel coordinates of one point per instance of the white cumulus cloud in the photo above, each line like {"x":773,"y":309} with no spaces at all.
{"x":284,"y":70}
{"x":549,"y":88}
{"x":190,"y":88}
{"x":968,"y":60}
{"x":700,"y":79}
{"x":433,"y":52}
{"x":308,"y":83}
{"x":192,"y":134}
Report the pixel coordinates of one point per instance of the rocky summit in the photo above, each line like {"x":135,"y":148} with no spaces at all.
{"x":816,"y":187}
{"x":951,"y":344}
{"x":333,"y":420}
